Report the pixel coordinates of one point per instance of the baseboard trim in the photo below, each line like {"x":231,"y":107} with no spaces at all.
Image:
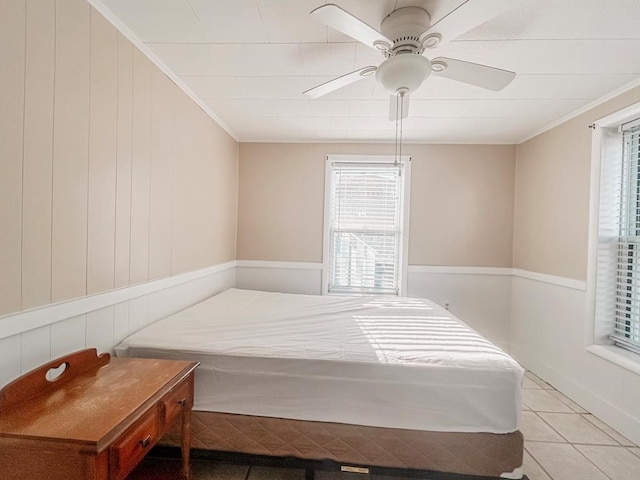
{"x":19,"y":322}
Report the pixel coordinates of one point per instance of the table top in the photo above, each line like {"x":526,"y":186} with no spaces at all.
{"x":86,"y":408}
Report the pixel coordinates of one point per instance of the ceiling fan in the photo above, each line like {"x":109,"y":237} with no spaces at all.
{"x":404,"y":36}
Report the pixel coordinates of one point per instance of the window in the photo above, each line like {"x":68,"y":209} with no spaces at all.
{"x":365,"y":218}
{"x":626,"y":331}
{"x":618,"y":247}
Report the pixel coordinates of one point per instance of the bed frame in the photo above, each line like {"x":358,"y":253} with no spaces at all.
{"x":314,"y":446}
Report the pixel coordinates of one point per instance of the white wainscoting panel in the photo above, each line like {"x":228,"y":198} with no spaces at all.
{"x":480,"y":297}
{"x":138,"y":313}
{"x":36,"y":348}
{"x":68,"y":335}
{"x":10,"y":358}
{"x":100,"y":327}
{"x":289,"y":277}
{"x":550,"y":336}
{"x":120,"y":322}
{"x":94,"y":322}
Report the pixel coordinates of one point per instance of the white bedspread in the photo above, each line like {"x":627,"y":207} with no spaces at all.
{"x":378,"y":361}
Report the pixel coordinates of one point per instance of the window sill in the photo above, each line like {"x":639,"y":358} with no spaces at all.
{"x":617,"y":355}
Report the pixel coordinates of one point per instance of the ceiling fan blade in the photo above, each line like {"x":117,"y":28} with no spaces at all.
{"x":339,"y":82}
{"x":398,"y":109}
{"x":472,"y":73}
{"x":467,"y":16}
{"x":335,"y":17}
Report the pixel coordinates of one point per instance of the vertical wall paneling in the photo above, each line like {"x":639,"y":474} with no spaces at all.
{"x":70,"y":150}
{"x":182,"y":142}
{"x":38,"y":154}
{"x":140,"y":168}
{"x":193,"y":177}
{"x":88,"y":166}
{"x":123,"y":163}
{"x":102,"y":155}
{"x":12,"y":66}
{"x":206,"y":188}
{"x":161,"y":186}
{"x":225,"y":205}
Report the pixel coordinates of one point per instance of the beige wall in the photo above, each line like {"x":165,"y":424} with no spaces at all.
{"x":109,"y":174}
{"x":552,"y":195}
{"x":461,"y":202}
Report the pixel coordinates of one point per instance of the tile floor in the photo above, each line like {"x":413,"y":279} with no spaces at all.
{"x":562,"y":442}
{"x":565,"y":442}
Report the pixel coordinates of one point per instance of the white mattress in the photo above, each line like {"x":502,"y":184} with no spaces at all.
{"x":377,"y":361}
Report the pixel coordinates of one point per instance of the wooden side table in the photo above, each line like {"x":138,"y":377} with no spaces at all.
{"x":96,"y":420}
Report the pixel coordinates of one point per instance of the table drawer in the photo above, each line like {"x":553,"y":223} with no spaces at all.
{"x":174,"y":401}
{"x":133,"y":445}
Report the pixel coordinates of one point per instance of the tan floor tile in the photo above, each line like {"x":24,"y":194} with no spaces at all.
{"x":576,"y":429}
{"x":617,"y":462}
{"x":532,"y":469}
{"x":528,"y":383}
{"x":543,"y":401}
{"x":538,"y":380}
{"x":635,"y":451}
{"x":621,"y":439}
{"x":567,"y":401}
{"x":268,"y":473}
{"x":524,"y":407}
{"x":563,"y":462}
{"x":535,"y":429}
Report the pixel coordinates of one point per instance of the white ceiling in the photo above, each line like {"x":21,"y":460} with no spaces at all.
{"x":250,"y":60}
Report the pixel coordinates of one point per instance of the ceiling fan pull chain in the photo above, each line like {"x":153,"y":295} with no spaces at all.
{"x":401,"y":100}
{"x":398,"y":108}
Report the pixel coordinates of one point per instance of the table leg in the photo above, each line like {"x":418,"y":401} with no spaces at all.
{"x":186,"y":441}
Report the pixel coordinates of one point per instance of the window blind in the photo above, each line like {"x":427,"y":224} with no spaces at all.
{"x":626,"y":328}
{"x":365,"y":227}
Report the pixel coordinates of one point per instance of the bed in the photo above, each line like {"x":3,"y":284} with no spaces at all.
{"x":382,"y":381}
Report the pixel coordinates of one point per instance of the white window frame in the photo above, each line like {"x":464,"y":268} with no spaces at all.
{"x":597,"y":337}
{"x":405,"y":206}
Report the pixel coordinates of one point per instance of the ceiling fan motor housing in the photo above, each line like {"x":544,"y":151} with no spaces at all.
{"x":405,"y":26}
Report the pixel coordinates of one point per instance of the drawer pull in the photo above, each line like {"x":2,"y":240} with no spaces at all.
{"x":182,"y":402}
{"x":144,"y":443}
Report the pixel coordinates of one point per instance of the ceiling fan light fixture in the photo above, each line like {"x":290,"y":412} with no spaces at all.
{"x":404,"y":72}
